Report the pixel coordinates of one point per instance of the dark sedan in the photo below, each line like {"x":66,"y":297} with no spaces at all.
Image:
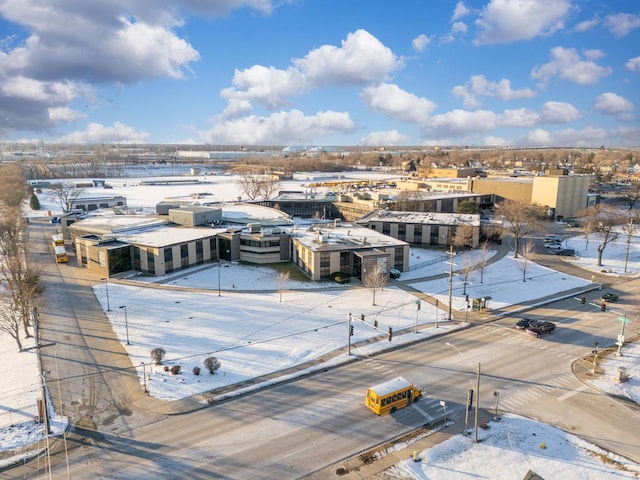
{"x":524,"y":323}
{"x":609,"y":297}
{"x":537,"y":329}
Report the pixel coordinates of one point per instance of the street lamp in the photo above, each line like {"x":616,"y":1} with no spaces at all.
{"x":451,"y":255}
{"x":144,"y":378}
{"x":219,"y":261}
{"x":106,"y":286}
{"x":477,"y":370}
{"x":126,"y":322}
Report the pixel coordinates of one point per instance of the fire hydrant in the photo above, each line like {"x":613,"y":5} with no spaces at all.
{"x":415,"y":456}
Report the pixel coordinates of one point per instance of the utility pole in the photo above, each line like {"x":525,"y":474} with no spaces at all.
{"x":451,"y":255}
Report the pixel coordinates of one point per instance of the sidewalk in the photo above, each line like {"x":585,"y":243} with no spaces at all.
{"x":372,"y":463}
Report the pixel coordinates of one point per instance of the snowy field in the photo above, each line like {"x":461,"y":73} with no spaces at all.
{"x":259,"y":332}
{"x":511,"y":447}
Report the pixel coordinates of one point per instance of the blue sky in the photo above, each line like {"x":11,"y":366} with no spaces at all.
{"x":321,"y":72}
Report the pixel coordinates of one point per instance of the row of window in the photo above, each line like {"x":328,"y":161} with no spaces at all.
{"x":394,"y":398}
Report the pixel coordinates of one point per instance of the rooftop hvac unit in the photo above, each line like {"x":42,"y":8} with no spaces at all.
{"x":254,"y":227}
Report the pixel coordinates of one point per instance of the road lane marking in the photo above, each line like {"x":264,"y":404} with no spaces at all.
{"x":562,"y":398}
{"x":425,"y":414}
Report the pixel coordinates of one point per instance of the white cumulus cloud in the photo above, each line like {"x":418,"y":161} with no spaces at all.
{"x":392,"y":101}
{"x":633,"y":65}
{"x":379,"y":139}
{"x":620,"y":24}
{"x":478,"y":86}
{"x":559,"y":112}
{"x":421,"y":42}
{"x":612,"y":104}
{"x":568,"y":64}
{"x":279,"y":128}
{"x":507,"y":21}
{"x":361,"y":59}
{"x":98,"y":133}
{"x":458,"y":123}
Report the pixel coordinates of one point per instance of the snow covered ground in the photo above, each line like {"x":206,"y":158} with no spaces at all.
{"x":254,"y":333}
{"x":511,"y":447}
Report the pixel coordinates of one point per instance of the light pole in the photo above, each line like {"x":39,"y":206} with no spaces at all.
{"x":106,"y":287}
{"x":126,"y":322}
{"x":595,"y":357}
{"x":144,"y":378}
{"x":219,"y":262}
{"x":477,"y":370}
{"x":496,"y":394}
{"x":451,"y":255}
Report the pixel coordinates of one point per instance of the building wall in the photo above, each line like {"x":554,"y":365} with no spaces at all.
{"x":566,"y":195}
{"x":423,"y":234}
{"x":511,"y":189}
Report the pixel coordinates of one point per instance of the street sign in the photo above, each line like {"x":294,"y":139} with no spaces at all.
{"x":624,"y":320}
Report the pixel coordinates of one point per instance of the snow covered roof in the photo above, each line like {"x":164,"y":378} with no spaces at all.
{"x":343,"y":237}
{"x":427,"y":218}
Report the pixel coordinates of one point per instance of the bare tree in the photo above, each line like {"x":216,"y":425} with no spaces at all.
{"x":629,"y":230}
{"x":157,"y":354}
{"x":375,"y":279}
{"x":64,"y":195}
{"x":589,"y":227}
{"x":283,"y":277}
{"x":484,"y":258}
{"x":464,"y":236}
{"x":254,"y":186}
{"x":527,"y":252}
{"x":632,"y":196}
{"x":10,"y":321}
{"x":521,"y":219}
{"x":604,"y":219}
{"x":268,"y":186}
{"x":465,"y":272}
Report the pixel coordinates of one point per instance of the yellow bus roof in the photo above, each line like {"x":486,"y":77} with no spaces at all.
{"x":390,"y":386}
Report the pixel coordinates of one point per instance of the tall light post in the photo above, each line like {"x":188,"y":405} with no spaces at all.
{"x":106,"y":287}
{"x":451,"y":255}
{"x":219,"y":262}
{"x":126,"y":322}
{"x":144,"y":378}
{"x":477,"y":370}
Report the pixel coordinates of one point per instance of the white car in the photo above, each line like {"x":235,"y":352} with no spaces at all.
{"x":553,"y":245}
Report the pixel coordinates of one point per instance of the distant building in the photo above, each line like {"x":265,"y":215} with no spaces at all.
{"x":563,"y":195}
{"x":89,"y":204}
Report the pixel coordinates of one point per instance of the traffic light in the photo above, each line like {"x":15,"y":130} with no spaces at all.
{"x":603,"y":307}
{"x":466,"y":298}
{"x":583,"y":300}
{"x":362,"y":317}
{"x":390,"y":333}
{"x":375,"y":323}
{"x":469,"y":399}
{"x":351,"y":330}
{"x":418,"y":306}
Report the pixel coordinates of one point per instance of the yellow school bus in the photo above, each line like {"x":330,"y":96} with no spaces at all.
{"x":61,"y":254}
{"x":391,"y":395}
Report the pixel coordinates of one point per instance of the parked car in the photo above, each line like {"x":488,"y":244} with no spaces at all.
{"x":553,"y":246}
{"x":394,"y":273}
{"x":537,"y":329}
{"x":609,"y":297}
{"x":553,"y":238}
{"x":566,"y":252}
{"x":524,"y":323}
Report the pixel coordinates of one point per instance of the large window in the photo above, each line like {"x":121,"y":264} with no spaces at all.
{"x":199,"y":252}
{"x":136,"y":258}
{"x":151,"y":262}
{"x":402,"y":231}
{"x":325,"y":264}
{"x":184,"y":255}
{"x":168,"y":260}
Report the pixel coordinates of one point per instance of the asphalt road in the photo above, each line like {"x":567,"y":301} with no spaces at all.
{"x":294,"y":429}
